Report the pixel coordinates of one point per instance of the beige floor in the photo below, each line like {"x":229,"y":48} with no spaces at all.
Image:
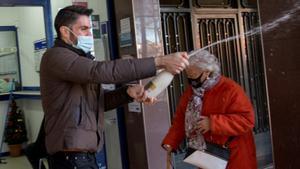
{"x":15,"y":163}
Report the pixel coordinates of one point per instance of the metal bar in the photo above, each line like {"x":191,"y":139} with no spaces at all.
{"x":169,"y":34}
{"x":233,"y":58}
{"x":213,"y":35}
{"x":235,"y":54}
{"x":181,"y":4}
{"x":221,"y":11}
{"x":230,"y":54}
{"x":163,"y":23}
{"x":187,"y":36}
{"x":208,"y":40}
{"x":251,"y":69}
{"x":260,"y":79}
{"x":213,"y":5}
{"x":254,"y":80}
{"x":176,"y":32}
{"x":226,"y":45}
{"x":171,"y":43}
{"x":243,"y":54}
{"x":257,"y":80}
{"x":209,"y":35}
{"x":183,"y":46}
{"x":221,"y":45}
{"x":202,"y":27}
{"x":218,"y":38}
{"x":178,"y":10}
{"x":177,"y":79}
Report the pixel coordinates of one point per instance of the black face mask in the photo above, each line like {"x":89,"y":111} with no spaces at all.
{"x":196,"y":83}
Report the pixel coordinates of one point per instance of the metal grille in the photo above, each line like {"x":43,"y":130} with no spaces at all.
{"x":213,"y":30}
{"x":177,"y":37}
{"x":255,"y":73}
{"x":245,"y":68}
{"x":247,"y":71}
{"x":241,"y":59}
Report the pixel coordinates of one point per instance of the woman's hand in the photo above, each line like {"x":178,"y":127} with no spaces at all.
{"x":204,"y":124}
{"x":168,"y":148}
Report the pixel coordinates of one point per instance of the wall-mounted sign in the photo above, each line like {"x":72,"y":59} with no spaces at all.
{"x":125,"y":34}
{"x":135,"y":107}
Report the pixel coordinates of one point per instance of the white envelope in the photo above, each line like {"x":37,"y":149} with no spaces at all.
{"x":205,"y":160}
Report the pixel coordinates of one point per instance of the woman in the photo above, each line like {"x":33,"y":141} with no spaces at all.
{"x":213,"y":109}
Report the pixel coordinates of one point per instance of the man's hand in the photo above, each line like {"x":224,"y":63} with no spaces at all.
{"x":174,"y":63}
{"x":204,"y":124}
{"x":138,"y":93}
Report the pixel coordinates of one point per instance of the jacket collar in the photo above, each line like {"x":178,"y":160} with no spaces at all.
{"x":61,"y":43}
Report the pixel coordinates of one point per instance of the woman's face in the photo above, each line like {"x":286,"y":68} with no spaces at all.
{"x":194,"y":72}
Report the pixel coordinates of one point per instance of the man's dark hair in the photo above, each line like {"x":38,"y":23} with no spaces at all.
{"x":68,"y":15}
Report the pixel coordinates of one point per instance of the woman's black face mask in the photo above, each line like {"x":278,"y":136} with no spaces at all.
{"x":196,"y":83}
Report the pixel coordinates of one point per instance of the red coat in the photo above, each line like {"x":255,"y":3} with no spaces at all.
{"x":231,"y":114}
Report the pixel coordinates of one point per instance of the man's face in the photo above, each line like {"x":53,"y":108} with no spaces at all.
{"x":81,"y":27}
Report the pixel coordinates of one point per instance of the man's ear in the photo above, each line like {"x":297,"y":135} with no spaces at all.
{"x":64,"y":32}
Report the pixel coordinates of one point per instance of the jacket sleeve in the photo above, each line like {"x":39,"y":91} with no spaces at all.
{"x":68,"y":66}
{"x":238,"y":118}
{"x":176,"y":133}
{"x":116,"y":98}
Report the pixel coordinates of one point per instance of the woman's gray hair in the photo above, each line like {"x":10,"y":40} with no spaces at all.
{"x":206,"y":61}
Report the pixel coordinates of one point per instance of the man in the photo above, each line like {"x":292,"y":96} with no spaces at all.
{"x":72,"y":98}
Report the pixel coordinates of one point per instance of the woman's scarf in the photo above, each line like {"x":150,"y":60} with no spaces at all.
{"x":193,"y":113}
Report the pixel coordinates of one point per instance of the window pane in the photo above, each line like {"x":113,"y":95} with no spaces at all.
{"x":27,"y":43}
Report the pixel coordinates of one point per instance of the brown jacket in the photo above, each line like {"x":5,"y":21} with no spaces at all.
{"x":74,"y":102}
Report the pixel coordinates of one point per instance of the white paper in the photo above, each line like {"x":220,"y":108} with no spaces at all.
{"x":205,"y":160}
{"x":125,"y":33}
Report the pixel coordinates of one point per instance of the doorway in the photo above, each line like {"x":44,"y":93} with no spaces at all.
{"x":193,"y":24}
